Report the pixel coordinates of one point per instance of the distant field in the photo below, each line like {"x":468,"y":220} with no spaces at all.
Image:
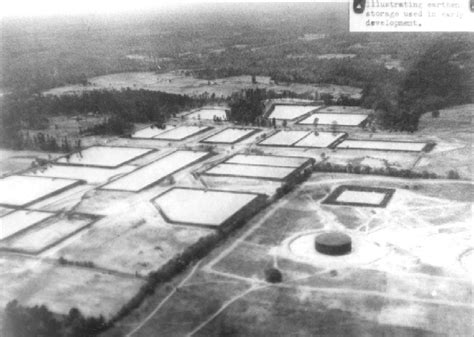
{"x":176,"y":83}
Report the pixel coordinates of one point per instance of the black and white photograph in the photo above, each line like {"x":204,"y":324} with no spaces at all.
{"x":236,"y":169}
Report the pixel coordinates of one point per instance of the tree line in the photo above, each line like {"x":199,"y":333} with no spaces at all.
{"x":442,"y":76}
{"x":23,"y":321}
{"x":23,"y":111}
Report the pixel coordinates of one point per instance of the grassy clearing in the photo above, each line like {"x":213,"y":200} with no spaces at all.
{"x":282,"y":224}
{"x":61,"y":288}
{"x":287,"y":312}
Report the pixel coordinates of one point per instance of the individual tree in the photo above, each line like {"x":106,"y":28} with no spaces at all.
{"x":273,"y":275}
{"x":334,"y":128}
{"x":315,"y":125}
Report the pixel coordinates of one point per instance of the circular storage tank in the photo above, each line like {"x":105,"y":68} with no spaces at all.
{"x":333,"y":243}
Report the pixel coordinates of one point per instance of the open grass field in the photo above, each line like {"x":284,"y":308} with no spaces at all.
{"x":36,"y":282}
{"x":177,"y":83}
{"x":407,"y":275}
{"x":25,"y":190}
{"x":135,"y":240}
{"x":104,"y":156}
{"x":453,"y":132}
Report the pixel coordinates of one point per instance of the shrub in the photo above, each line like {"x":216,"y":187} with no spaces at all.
{"x":273,"y":275}
{"x":453,"y":174}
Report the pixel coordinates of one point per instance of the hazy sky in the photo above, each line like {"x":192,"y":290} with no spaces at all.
{"x":28,"y":8}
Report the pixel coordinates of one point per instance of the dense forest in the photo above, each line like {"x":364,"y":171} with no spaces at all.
{"x":442,"y":76}
{"x":21,"y":321}
{"x":23,"y":111}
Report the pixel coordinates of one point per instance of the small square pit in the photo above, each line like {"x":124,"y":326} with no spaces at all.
{"x":290,"y":112}
{"x":22,"y":191}
{"x":104,"y":156}
{"x":230,"y":136}
{"x":352,"y":195}
{"x":210,"y":208}
{"x":182,"y":132}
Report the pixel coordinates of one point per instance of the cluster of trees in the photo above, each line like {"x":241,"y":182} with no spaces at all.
{"x":247,"y":106}
{"x":325,"y":166}
{"x":22,"y":321}
{"x":46,"y":142}
{"x":86,"y":264}
{"x":435,"y":81}
{"x":273,"y":275}
{"x":23,"y":111}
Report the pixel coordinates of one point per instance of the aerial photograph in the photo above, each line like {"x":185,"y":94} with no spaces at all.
{"x":233,"y":169}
